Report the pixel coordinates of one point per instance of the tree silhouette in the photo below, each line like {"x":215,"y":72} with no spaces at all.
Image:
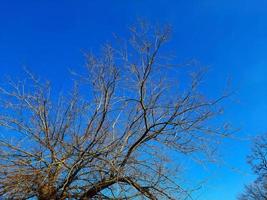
{"x":258,"y":162}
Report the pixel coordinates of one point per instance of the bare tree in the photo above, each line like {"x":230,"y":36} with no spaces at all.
{"x":258,"y":162}
{"x":110,"y":136}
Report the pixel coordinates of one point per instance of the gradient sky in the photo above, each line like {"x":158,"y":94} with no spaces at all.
{"x":49,"y":36}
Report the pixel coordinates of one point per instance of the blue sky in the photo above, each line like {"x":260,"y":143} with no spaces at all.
{"x":228,"y":36}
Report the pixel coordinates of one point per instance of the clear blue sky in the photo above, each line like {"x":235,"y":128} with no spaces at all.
{"x":48,"y":36}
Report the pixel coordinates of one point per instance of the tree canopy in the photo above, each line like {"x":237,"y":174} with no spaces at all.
{"x":108,"y":137}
